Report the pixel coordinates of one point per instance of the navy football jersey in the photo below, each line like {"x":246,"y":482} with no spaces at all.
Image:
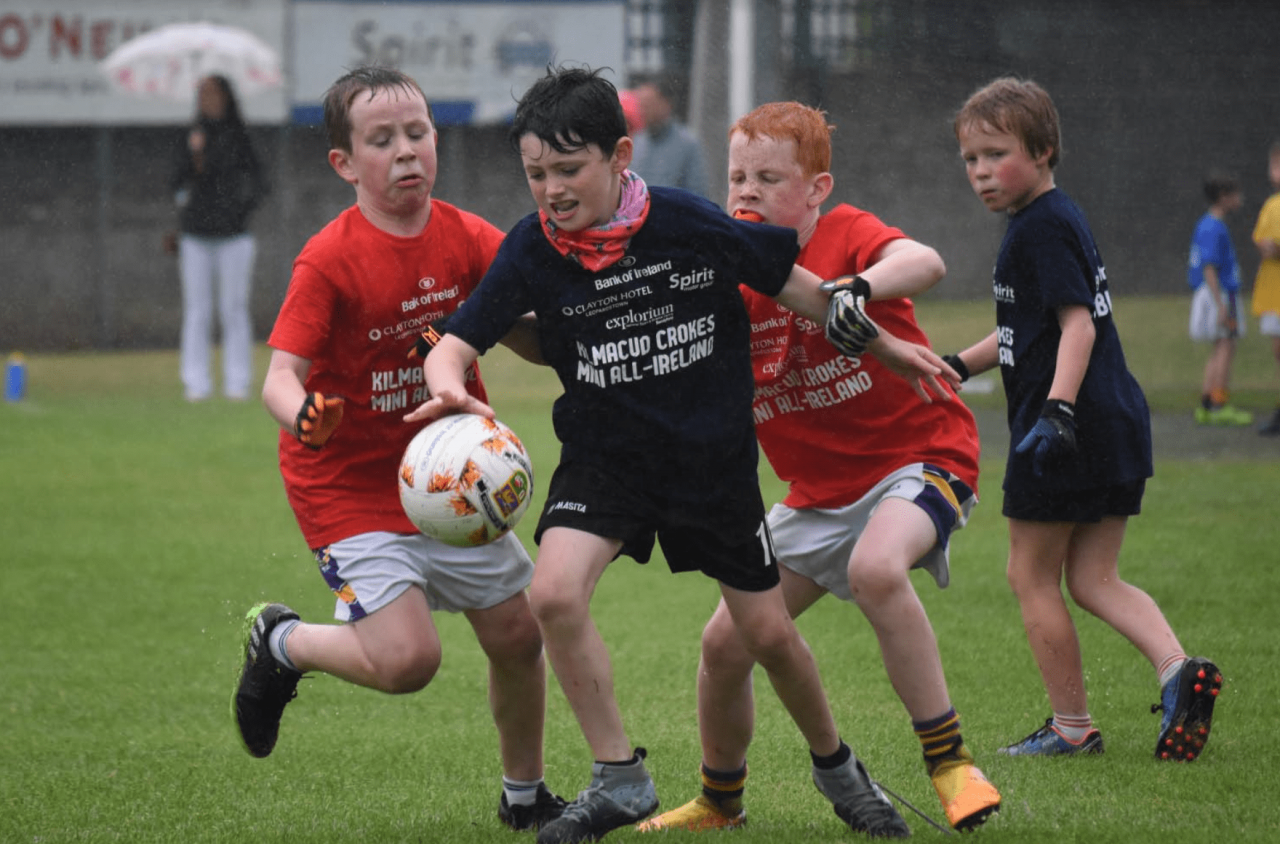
{"x":653,"y":351}
{"x":1048,"y":260}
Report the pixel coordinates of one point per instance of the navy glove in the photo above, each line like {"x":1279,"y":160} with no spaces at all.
{"x":1052,"y":438}
{"x":955,"y":363}
{"x":848,"y":327}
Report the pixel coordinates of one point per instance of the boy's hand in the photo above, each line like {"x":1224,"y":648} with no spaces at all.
{"x":848,"y":327}
{"x":317,"y":419}
{"x":1052,"y":437}
{"x":447,"y":402}
{"x":928,"y":374}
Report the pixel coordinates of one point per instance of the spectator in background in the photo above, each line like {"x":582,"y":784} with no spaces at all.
{"x":667,"y":153}
{"x":217,"y":183}
{"x":1217,"y":314}
{"x":1266,"y":287}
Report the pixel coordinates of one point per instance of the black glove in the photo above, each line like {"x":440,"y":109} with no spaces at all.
{"x":955,"y":363}
{"x":427,"y":341}
{"x":1052,"y":438}
{"x":848,"y":327}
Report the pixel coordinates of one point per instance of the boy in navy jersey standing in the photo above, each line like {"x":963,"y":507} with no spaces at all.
{"x":1080,"y":425}
{"x":635,"y":290}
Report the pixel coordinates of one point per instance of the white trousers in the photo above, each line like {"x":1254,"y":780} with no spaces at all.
{"x":231,"y":258}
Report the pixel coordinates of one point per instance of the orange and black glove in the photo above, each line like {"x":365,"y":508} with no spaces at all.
{"x":427,"y":341}
{"x":317,"y":419}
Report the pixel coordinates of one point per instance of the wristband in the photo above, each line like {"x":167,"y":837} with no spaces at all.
{"x":957,"y":364}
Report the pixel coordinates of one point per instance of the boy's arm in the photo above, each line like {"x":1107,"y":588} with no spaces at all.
{"x":523,"y":339}
{"x":1268,"y":248}
{"x":914,"y":363}
{"x":445,"y":372}
{"x":311,"y":417}
{"x":282,"y":390}
{"x":1053,"y":437}
{"x":1226,"y":315}
{"x":978,"y":358}
{"x":1074,"y":350}
{"x":903,"y":268}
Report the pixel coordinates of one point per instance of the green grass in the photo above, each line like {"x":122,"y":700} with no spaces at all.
{"x":137,"y":529}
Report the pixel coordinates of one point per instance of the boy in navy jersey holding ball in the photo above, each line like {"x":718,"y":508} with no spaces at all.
{"x":636,"y":295}
{"x":1079,"y":425}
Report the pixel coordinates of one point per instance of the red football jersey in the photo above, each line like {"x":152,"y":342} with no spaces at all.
{"x":832,"y":427}
{"x":358,"y":299}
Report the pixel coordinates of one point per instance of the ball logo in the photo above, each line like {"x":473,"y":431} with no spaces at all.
{"x":426,"y":283}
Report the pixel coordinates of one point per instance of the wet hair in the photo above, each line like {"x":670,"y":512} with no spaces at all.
{"x":232,"y":114}
{"x":1218,"y":185}
{"x":568,"y":109}
{"x":342,"y":93}
{"x":793,"y":121}
{"x":1020,"y":107}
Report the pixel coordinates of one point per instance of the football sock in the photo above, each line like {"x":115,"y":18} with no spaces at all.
{"x":275,"y":642}
{"x":835,"y":760}
{"x":724,"y":788}
{"x":1073,"y":728}
{"x":521,"y":792}
{"x":939,"y":737}
{"x":1169,"y":667}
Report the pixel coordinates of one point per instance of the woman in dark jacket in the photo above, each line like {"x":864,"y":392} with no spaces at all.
{"x":217,"y":183}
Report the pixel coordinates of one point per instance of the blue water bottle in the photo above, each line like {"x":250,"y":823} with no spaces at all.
{"x":15,"y":377}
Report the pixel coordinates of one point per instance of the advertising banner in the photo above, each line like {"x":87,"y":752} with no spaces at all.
{"x":473,"y":59}
{"x":50,"y":52}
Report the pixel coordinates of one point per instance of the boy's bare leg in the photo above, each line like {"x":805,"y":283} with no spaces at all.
{"x":770,"y":636}
{"x":1037,"y":554}
{"x":509,"y":636}
{"x":726,"y":704}
{"x":395,"y":649}
{"x":898,"y":534}
{"x":1095,"y":584}
{"x":570,"y":563}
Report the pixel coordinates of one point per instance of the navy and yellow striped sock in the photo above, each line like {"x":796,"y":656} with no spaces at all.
{"x":725,"y":788}
{"x":940,"y":738}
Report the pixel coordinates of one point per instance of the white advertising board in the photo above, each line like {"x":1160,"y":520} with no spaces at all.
{"x":473,"y":59}
{"x":50,"y":51}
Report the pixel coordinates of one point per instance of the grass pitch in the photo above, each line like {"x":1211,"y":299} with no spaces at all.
{"x":138,"y":529}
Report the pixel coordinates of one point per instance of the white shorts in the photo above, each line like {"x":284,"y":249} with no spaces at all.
{"x":1269,"y":324}
{"x":1203,"y":326}
{"x":370,"y":570}
{"x":818,"y":543}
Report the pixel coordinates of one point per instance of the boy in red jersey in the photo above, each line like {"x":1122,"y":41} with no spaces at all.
{"x":879,"y":478}
{"x":363,"y":290}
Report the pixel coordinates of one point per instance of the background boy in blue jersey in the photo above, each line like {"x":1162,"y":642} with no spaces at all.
{"x":1217,"y":312}
{"x":1080,"y":424}
{"x":636,"y":295}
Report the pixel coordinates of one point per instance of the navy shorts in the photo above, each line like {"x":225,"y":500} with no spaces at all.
{"x":724,"y":536}
{"x":1075,"y":505}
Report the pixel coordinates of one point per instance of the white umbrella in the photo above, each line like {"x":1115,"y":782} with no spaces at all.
{"x":170,"y":61}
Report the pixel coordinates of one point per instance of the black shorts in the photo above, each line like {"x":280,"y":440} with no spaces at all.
{"x":724,"y":537}
{"x":1075,"y":505}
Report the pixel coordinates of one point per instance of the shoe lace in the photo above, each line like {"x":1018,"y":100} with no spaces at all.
{"x":579,"y":811}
